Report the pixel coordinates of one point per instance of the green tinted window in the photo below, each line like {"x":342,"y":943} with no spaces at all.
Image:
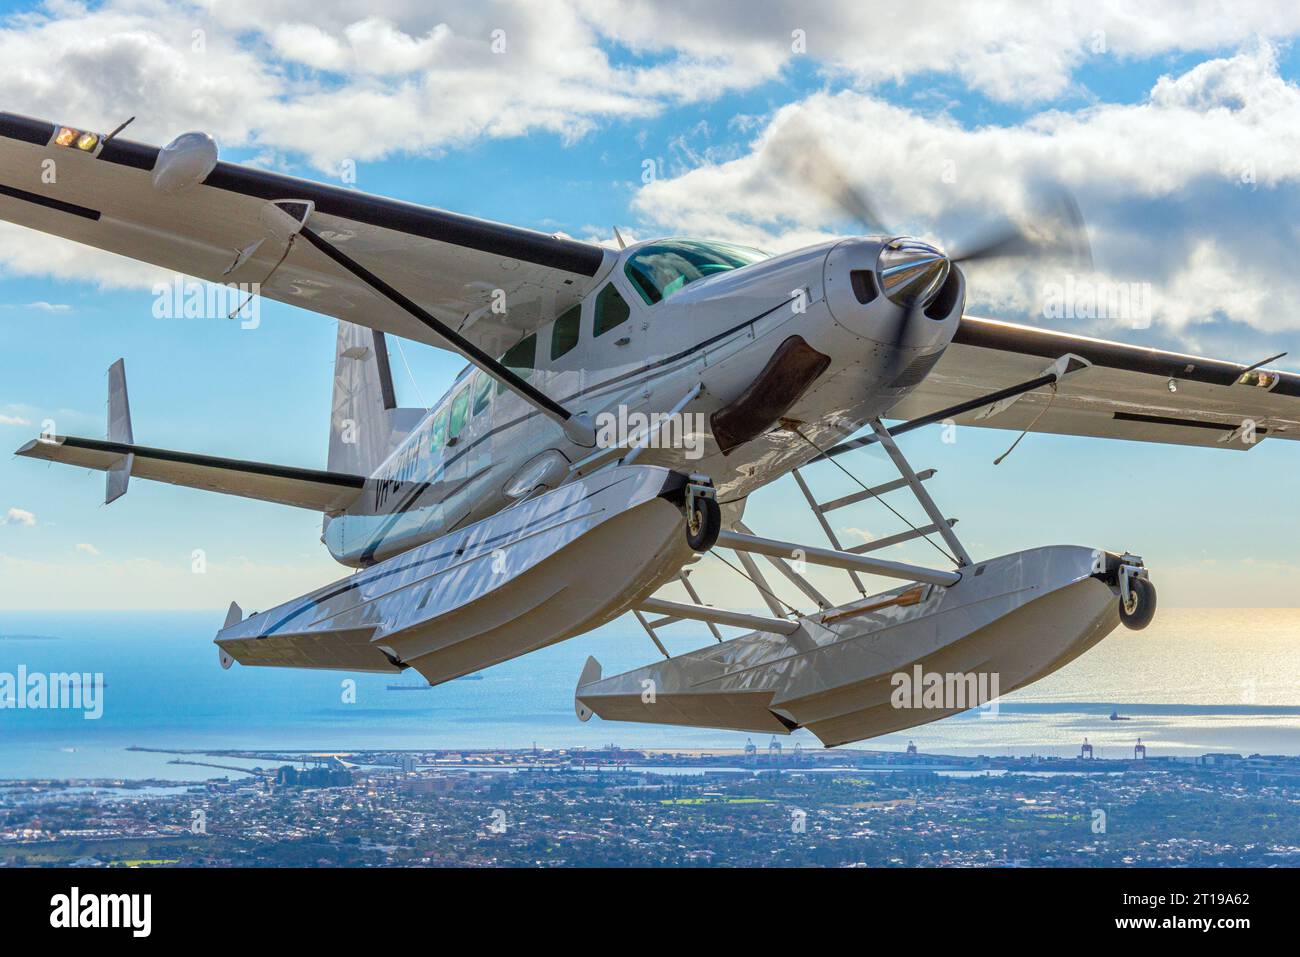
{"x":660,"y":269}
{"x":459,"y":408}
{"x":482,"y":391}
{"x":564,"y":333}
{"x":438,"y":434}
{"x":611,"y":311}
{"x":521,"y":359}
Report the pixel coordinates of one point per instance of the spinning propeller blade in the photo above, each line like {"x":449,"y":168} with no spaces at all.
{"x":799,"y":157}
{"x":1058,"y":233}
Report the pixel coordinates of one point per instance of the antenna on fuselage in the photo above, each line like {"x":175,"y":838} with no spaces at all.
{"x":619,"y":237}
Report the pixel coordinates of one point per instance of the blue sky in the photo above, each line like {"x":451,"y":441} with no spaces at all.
{"x":1151,"y":134}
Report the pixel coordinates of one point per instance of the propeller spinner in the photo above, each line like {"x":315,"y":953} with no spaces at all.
{"x":911,"y":272}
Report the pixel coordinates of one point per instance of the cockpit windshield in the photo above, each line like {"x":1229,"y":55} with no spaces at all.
{"x":661,"y":269}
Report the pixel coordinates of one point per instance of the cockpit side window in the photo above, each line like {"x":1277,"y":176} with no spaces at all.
{"x":564,"y":332}
{"x":521,"y":359}
{"x":659,"y":270}
{"x":611,"y":311}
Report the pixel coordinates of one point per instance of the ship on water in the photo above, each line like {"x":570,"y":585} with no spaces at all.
{"x":428,"y":687}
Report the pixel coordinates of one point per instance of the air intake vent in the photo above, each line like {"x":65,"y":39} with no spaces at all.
{"x":942,"y":305}
{"x":864,"y":285}
{"x":917,"y":371}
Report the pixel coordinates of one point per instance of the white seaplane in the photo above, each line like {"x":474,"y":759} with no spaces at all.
{"x":506,"y":518}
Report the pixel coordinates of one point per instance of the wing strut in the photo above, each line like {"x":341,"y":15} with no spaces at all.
{"x":677,"y":609}
{"x":577,"y":427}
{"x":652,"y":626}
{"x":942,"y":525}
{"x":834,"y":558}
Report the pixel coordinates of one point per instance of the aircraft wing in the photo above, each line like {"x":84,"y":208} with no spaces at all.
{"x":1124,"y":394}
{"x":73,"y":184}
{"x":305,"y":488}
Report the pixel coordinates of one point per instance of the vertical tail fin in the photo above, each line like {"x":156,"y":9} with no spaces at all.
{"x":119,"y":430}
{"x":365,"y":422}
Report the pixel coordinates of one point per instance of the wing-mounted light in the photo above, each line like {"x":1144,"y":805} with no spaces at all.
{"x":911,"y":272}
{"x":74,"y":139}
{"x":1259,"y":379}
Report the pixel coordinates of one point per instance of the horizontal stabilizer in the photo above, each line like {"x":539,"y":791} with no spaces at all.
{"x":304,"y":488}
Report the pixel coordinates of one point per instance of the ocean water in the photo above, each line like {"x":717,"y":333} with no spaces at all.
{"x":1197,"y":680}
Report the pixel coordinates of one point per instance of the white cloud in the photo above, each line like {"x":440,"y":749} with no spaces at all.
{"x":41,"y":306}
{"x":87,"y":549}
{"x":1192,"y":190}
{"x":22,"y":414}
{"x":319,"y":80}
{"x":18,"y":516}
{"x":1006,"y":49}
{"x":315,"y":79}
{"x":369,"y":46}
{"x":29,"y":253}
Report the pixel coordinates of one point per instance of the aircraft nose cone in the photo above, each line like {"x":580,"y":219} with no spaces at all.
{"x":911,"y":271}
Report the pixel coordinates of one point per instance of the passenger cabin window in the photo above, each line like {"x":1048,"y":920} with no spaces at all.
{"x":459,"y":408}
{"x":564,"y":332}
{"x":661,"y":269}
{"x":521,"y":359}
{"x":482,"y":388}
{"x":438,"y":434}
{"x":611,"y":311}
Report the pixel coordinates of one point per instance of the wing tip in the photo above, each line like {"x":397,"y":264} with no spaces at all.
{"x":33,"y":448}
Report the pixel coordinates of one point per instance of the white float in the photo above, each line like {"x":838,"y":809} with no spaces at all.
{"x":536,"y":573}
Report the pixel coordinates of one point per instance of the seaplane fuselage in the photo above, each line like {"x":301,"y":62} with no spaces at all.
{"x":639,"y":343}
